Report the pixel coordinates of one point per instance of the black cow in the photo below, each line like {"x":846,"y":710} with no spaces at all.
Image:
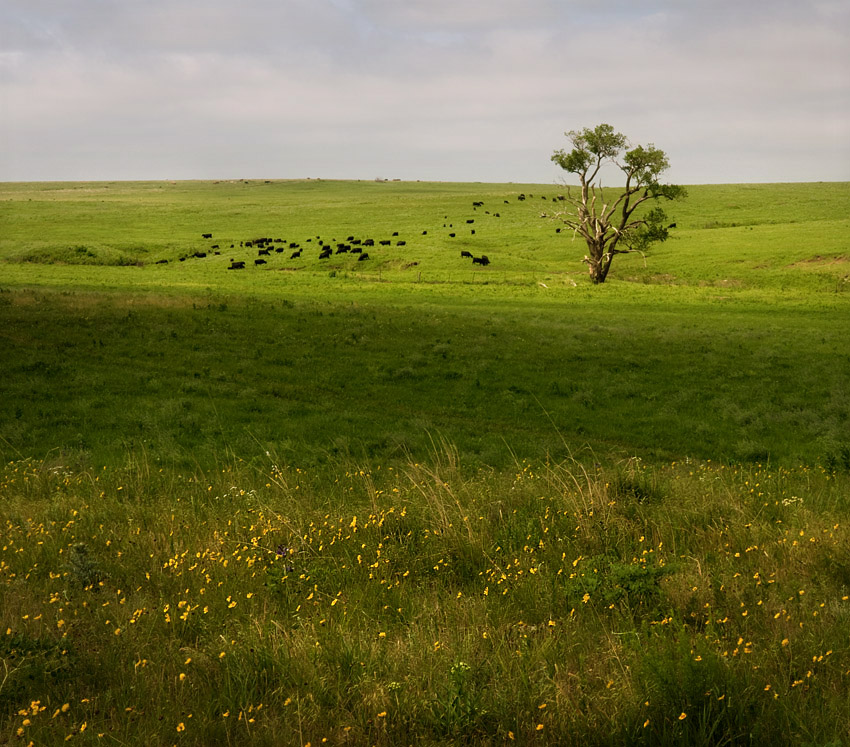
{"x":161,"y":262}
{"x":424,"y":233}
{"x":451,"y":235}
{"x":236,"y":265}
{"x":386,"y":242}
{"x":357,"y":250}
{"x":395,"y":233}
{"x":325,"y":253}
{"x":279,"y":249}
{"x":672,"y":225}
{"x":472,"y":231}
{"x":206,"y":235}
{"x":341,"y":249}
{"x":199,"y":255}
{"x":470,"y":220}
{"x":482,"y":260}
{"x":557,"y":230}
{"x":295,"y":255}
{"x":263,"y":253}
{"x":363,"y":256}
{"x":465,"y":253}
{"x":477,"y":204}
{"x":369,"y":242}
{"x":259,"y":261}
{"x":401,"y":243}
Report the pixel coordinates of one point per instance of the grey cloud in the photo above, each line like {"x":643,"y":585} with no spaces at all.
{"x":450,"y":89}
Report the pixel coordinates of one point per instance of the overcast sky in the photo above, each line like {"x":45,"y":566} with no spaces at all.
{"x":455,"y":90}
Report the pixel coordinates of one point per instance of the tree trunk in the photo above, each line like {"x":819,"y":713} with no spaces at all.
{"x":597,"y":263}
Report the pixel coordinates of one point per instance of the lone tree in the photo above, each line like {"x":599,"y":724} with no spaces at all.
{"x":611,"y":222}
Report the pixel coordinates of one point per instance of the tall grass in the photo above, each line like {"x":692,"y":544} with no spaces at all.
{"x":685,"y":603}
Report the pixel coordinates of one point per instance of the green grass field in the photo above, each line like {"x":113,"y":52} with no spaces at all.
{"x":412,"y":500}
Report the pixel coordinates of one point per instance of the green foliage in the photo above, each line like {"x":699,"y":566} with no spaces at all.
{"x":605,"y":224}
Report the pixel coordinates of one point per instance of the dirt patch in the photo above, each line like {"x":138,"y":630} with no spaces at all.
{"x":820,"y":261}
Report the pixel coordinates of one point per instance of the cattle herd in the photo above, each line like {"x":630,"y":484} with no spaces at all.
{"x":268,"y":247}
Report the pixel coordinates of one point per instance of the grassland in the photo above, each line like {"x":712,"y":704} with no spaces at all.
{"x":413,"y":501}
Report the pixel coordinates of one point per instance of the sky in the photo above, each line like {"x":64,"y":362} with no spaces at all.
{"x":734,"y":91}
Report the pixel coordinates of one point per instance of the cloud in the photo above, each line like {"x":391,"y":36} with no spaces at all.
{"x":455,"y":89}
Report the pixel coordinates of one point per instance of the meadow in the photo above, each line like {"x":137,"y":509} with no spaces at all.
{"x":413,"y":500}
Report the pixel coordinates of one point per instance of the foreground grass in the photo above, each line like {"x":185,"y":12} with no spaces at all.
{"x":685,"y":603}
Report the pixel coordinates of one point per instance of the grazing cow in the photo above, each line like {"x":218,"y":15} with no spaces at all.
{"x":424,"y":233}
{"x":369,"y":242}
{"x":395,"y":233}
{"x":325,"y":253}
{"x":199,"y":255}
{"x":363,"y":256}
{"x":521,"y":198}
{"x":465,"y":253}
{"x":295,"y":254}
{"x":341,"y":249}
{"x":216,"y":253}
{"x":263,"y":253}
{"x":357,"y":250}
{"x":206,"y":235}
{"x":451,"y":235}
{"x":182,"y":259}
{"x":279,"y":249}
{"x":477,"y":204}
{"x":294,"y":244}
{"x":236,"y":265}
{"x":401,"y":243}
{"x":259,"y":261}
{"x":215,"y":246}
{"x":470,"y":220}
{"x":249,"y":244}
{"x":385,"y":242}
{"x":482,"y":260}
{"x":497,"y":215}
{"x":356,"y":242}
{"x":472,"y":231}
{"x":672,"y":225}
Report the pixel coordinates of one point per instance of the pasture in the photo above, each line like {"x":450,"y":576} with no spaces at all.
{"x":412,"y":499}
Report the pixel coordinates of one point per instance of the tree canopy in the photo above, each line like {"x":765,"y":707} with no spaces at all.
{"x":619,"y":220}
